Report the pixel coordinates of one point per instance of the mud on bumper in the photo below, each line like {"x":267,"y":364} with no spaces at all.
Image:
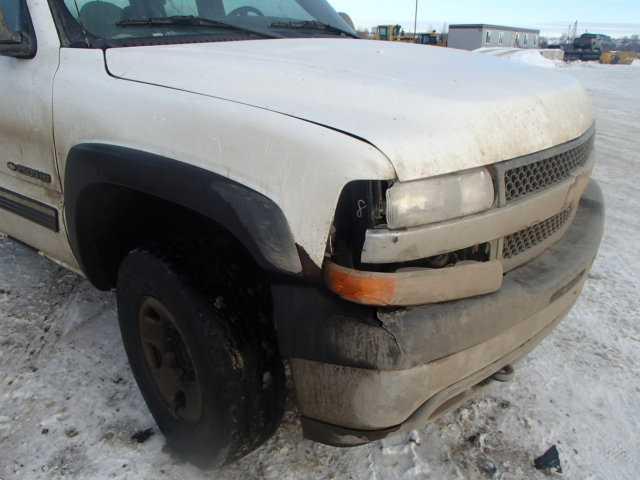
{"x":362,"y":374}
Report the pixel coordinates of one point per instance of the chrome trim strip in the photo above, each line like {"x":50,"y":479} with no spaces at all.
{"x":32,"y":210}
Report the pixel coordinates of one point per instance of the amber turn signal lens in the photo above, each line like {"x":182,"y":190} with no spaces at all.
{"x":360,"y":287}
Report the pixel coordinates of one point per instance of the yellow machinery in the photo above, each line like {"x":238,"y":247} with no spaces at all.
{"x":390,"y":33}
{"x":394,"y":33}
{"x":619,"y":58}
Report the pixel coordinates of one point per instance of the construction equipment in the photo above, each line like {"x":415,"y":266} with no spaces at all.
{"x":389,"y":33}
{"x":432,"y":38}
{"x":619,"y":58}
{"x":589,"y":47}
{"x":393,"y":33}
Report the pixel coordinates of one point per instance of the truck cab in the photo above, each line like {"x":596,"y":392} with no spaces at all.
{"x":262,"y":188}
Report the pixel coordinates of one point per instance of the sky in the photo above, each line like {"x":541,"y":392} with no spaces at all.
{"x":613,"y":17}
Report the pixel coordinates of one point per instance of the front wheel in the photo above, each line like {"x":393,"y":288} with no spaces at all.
{"x":210,"y":376}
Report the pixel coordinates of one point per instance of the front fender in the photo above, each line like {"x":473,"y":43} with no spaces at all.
{"x":256,"y":221}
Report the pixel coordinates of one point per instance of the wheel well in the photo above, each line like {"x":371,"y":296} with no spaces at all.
{"x":113,"y":220}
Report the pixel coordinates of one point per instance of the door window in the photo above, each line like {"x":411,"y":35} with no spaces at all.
{"x":14,"y":14}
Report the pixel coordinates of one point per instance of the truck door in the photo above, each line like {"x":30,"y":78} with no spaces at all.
{"x":30,"y":190}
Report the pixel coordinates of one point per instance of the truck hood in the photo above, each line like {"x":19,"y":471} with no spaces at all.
{"x":430,"y":110}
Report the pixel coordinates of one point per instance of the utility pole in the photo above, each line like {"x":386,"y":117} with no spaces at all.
{"x":415,"y":22}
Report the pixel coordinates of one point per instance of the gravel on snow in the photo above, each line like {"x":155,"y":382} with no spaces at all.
{"x":69,"y":406}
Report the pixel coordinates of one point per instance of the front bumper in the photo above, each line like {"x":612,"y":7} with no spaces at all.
{"x":362,"y":374}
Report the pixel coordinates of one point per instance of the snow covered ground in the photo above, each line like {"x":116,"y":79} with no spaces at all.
{"x":532,"y":56}
{"x":69,"y":405}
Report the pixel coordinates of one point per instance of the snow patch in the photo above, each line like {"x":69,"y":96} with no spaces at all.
{"x":531,"y":57}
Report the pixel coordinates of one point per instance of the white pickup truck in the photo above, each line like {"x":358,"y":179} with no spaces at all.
{"x":398,"y":223}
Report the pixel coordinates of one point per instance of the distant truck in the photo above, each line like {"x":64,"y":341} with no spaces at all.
{"x":432,"y":38}
{"x":589,"y":47}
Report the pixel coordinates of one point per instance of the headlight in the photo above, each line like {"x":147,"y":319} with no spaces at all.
{"x":412,"y":204}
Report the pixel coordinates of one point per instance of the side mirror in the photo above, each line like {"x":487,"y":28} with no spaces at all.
{"x":15,"y":44}
{"x":347,"y":19}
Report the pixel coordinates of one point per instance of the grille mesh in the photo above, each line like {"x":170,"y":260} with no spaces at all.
{"x":539,"y":175}
{"x":521,"y":241}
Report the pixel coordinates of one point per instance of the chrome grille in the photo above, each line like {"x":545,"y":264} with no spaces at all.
{"x":519,"y":242}
{"x":536,"y":176}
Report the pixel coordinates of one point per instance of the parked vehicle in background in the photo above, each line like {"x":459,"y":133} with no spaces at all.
{"x":432,"y":38}
{"x":260,"y":186}
{"x":389,"y":33}
{"x":589,"y":47}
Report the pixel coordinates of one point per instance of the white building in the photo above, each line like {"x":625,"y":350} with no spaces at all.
{"x":471,"y":37}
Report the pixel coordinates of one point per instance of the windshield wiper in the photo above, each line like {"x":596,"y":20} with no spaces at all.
{"x":312,"y":25}
{"x":190,"y":21}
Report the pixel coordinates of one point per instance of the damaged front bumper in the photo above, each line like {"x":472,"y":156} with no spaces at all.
{"x":362,"y":374}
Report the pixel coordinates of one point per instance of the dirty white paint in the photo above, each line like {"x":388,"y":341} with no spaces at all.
{"x":258,"y":111}
{"x":429,"y":110}
{"x":25,"y":107}
{"x":422,"y":123}
{"x":62,"y":368}
{"x":26,"y":134}
{"x":302,"y":167}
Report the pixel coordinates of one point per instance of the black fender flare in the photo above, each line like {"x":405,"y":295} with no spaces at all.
{"x":253,"y":219}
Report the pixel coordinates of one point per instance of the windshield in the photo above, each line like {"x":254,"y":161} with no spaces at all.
{"x":162,"y":21}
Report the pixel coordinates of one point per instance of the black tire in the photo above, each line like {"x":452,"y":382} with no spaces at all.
{"x":237,"y":373}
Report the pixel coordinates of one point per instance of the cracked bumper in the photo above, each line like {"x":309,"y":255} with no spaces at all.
{"x":362,"y":374}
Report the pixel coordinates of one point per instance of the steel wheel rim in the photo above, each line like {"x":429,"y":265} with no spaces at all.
{"x":169,"y":361}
